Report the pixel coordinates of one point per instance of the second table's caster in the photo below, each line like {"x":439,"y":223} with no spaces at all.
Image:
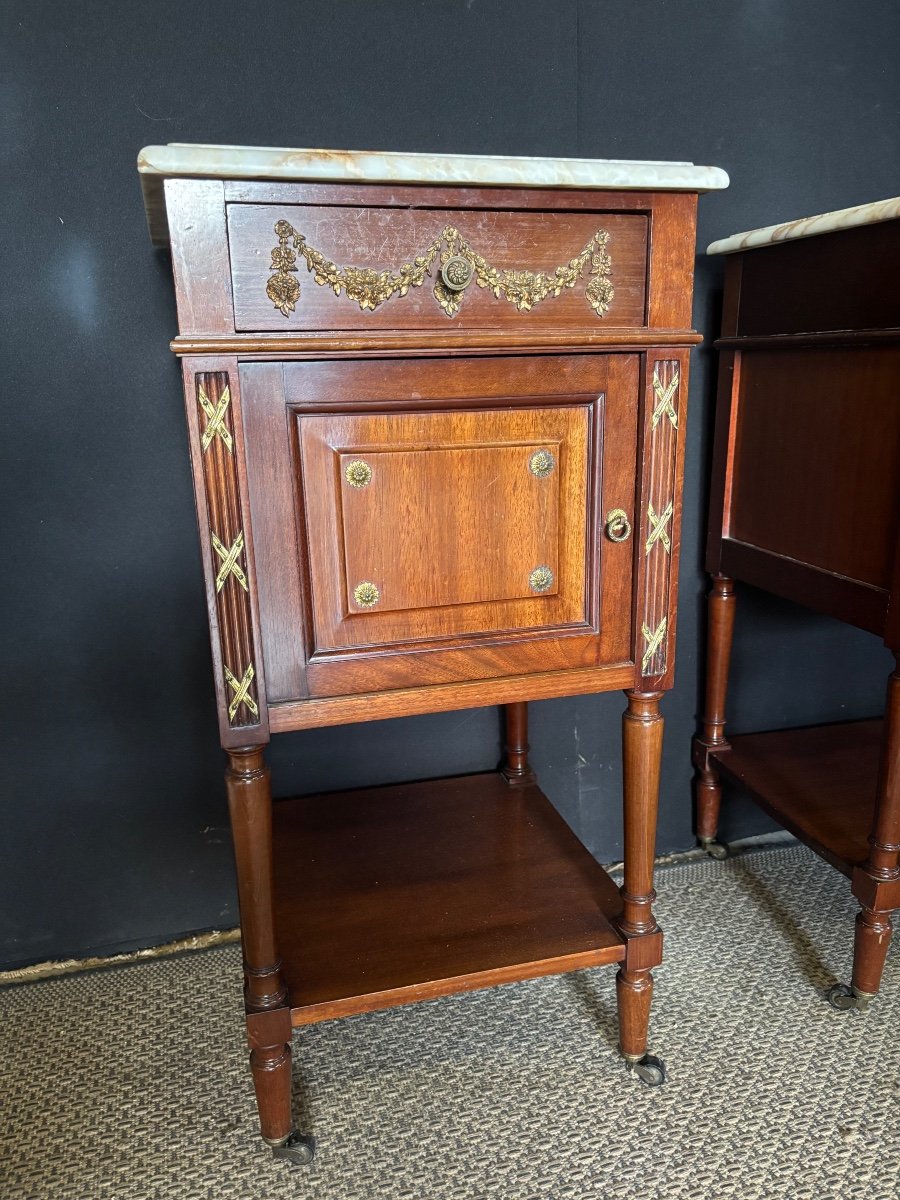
{"x":650,"y":1069}
{"x":296,"y":1150}
{"x":713,"y":848}
{"x":844,"y":998}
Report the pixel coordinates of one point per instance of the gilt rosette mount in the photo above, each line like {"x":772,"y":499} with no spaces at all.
{"x":450,"y":261}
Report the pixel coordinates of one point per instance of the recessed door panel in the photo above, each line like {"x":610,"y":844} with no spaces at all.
{"x":451,"y":526}
{"x":450,"y":532}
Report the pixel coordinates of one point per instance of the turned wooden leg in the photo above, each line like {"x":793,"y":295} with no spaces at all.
{"x":642,"y":734}
{"x":265,"y":994}
{"x":707,"y":786}
{"x":870,"y":947}
{"x":516,"y":769}
{"x":876,"y":884}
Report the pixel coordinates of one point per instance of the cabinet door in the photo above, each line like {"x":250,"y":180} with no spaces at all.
{"x":440,"y":519}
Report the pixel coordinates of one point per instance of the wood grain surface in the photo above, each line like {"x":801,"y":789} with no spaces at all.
{"x":383,"y":239}
{"x":818,"y":782}
{"x":815,"y":472}
{"x":442,"y":529}
{"x":388,"y":895}
{"x":845,"y":280}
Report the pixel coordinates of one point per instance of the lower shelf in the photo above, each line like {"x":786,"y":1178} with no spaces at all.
{"x":395,"y":894}
{"x":819,"y":783}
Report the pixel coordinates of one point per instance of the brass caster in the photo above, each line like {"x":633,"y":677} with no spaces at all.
{"x":713,"y":848}
{"x":296,"y":1150}
{"x":843,"y":998}
{"x":649,"y":1069}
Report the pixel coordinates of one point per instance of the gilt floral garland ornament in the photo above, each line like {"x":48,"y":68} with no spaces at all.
{"x":369,"y":288}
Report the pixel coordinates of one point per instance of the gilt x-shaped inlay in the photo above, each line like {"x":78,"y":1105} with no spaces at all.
{"x":241,"y":689}
{"x":658,"y":527}
{"x":665,"y":407}
{"x":654,"y":641}
{"x":229,"y":557}
{"x":215,"y":419}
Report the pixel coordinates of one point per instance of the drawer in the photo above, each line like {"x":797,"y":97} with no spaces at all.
{"x":438,"y":520}
{"x":301,"y":267}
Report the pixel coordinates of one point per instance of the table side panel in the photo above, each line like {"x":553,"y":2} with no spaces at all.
{"x":817,"y":459}
{"x":843,"y":280}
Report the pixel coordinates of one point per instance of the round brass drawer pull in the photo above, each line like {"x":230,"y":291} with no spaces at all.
{"x":366,"y":594}
{"x":456,"y":273}
{"x":618,"y":527}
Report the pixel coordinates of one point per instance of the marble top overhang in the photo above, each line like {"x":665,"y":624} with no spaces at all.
{"x":803,"y":227}
{"x":179,"y":160}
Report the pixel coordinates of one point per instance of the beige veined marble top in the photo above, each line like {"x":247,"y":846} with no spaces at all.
{"x":842,"y":218}
{"x":156,"y":163}
{"x":263,"y":162}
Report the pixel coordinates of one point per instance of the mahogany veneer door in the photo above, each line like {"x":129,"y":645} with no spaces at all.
{"x":439,"y":520}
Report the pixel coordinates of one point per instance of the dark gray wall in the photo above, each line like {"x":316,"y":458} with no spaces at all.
{"x":113,"y":818}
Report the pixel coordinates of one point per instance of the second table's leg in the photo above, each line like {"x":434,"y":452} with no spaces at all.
{"x":707,"y":787}
{"x":876,"y":884}
{"x":516,"y":769}
{"x":642,"y":735}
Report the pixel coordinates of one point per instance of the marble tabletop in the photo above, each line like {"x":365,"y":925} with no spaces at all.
{"x":842,"y":218}
{"x":156,"y":163}
{"x":263,"y":162}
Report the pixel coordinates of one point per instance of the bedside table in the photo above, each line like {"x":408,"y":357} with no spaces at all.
{"x":806,"y":504}
{"x":436,"y":412}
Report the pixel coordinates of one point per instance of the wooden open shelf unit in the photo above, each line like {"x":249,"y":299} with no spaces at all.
{"x":388,"y":895}
{"x":804,"y":504}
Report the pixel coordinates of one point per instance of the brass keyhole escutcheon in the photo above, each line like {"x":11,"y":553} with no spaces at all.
{"x":358,"y":473}
{"x":456,"y":273}
{"x":540,"y":579}
{"x":366,"y":594}
{"x":618,"y":527}
{"x":541,"y":463}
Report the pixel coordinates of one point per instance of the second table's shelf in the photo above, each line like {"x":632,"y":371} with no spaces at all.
{"x":818,"y":782}
{"x":394,"y":894}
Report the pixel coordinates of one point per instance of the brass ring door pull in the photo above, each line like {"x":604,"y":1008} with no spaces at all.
{"x":618,"y":527}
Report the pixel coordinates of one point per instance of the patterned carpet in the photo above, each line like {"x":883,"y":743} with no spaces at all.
{"x":130,"y":1083}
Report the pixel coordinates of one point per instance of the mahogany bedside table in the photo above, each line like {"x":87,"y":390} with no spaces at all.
{"x":806,"y":504}
{"x":428,"y":400}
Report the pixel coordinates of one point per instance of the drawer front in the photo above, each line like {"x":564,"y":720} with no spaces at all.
{"x":302,"y":267}
{"x":439,"y":520}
